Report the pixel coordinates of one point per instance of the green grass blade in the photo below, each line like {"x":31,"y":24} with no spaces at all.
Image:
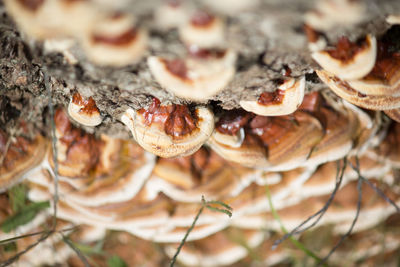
{"x":23,"y":216}
{"x":226,"y":206}
{"x":204,"y":204}
{"x":295,"y":242}
{"x":17,"y":195}
{"x":115,"y":261}
{"x":227,"y":212}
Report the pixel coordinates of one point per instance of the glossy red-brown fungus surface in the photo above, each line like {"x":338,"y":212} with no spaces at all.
{"x":312,"y":35}
{"x":203,"y":53}
{"x":81,"y":147}
{"x":311,"y":102}
{"x":271,"y":129}
{"x":346,"y":50}
{"x":14,"y":152}
{"x":125,"y":38}
{"x":231,"y":121}
{"x":271,"y":98}
{"x":202,"y":19}
{"x":196,"y":162}
{"x":176,"y":67}
{"x":88,"y":106}
{"x":387,"y":64}
{"x":177,"y":120}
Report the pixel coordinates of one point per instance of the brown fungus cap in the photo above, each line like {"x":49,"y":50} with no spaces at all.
{"x":219,"y":249}
{"x":170,"y":130}
{"x":122,"y":170}
{"x":115,"y":41}
{"x":342,"y":127}
{"x":283,"y":101}
{"x":203,"y":173}
{"x":273,"y":143}
{"x":78,"y":152}
{"x":394,"y":114}
{"x":18,"y":156}
{"x":204,"y":30}
{"x":198,"y":77}
{"x":329,"y":14}
{"x":384,"y":78}
{"x":345,"y":91}
{"x":94,"y":171}
{"x":348,"y":60}
{"x":84,"y":111}
{"x":43,"y":19}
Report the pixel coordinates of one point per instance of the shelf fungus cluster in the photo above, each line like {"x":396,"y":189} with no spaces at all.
{"x":315,"y":133}
{"x":107,"y":183}
{"x":18,"y":156}
{"x":365,"y":73}
{"x":208,"y":66}
{"x":170,"y":130}
{"x":283,"y":101}
{"x":108,"y":37}
{"x":215,"y":122}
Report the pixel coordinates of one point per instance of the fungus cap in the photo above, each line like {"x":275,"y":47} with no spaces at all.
{"x":204,"y":30}
{"x":285,"y":100}
{"x":171,"y":14}
{"x":196,"y":79}
{"x":349,"y":65}
{"x":84,"y":111}
{"x":19,"y":155}
{"x":115,"y":41}
{"x":345,"y":91}
{"x":170,"y":131}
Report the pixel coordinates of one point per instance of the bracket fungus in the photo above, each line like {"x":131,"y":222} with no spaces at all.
{"x":97,"y":171}
{"x":171,"y":14}
{"x":393,"y":19}
{"x":203,"y":173}
{"x":18,"y":156}
{"x":218,"y":249}
{"x":273,"y":143}
{"x":329,"y":14}
{"x":170,"y":130}
{"x":345,"y":91}
{"x":283,"y":101}
{"x":84,"y":111}
{"x":378,"y":89}
{"x":199,"y":76}
{"x":394,"y":114}
{"x":204,"y":30}
{"x":349,"y":61}
{"x":255,"y":108}
{"x":115,"y":41}
{"x":42,"y":19}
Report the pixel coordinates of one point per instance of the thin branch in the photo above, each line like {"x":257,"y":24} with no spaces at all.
{"x":76,"y":250}
{"x":3,"y":156}
{"x":54,"y":144}
{"x":376,"y":189}
{"x":204,"y":204}
{"x":359,"y":189}
{"x":278,"y":219}
{"x":321,"y":212}
{"x":13,"y":239}
{"x":31,"y":246}
{"x":381,"y":193}
{"x":55,"y":160}
{"x":178,"y":250}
